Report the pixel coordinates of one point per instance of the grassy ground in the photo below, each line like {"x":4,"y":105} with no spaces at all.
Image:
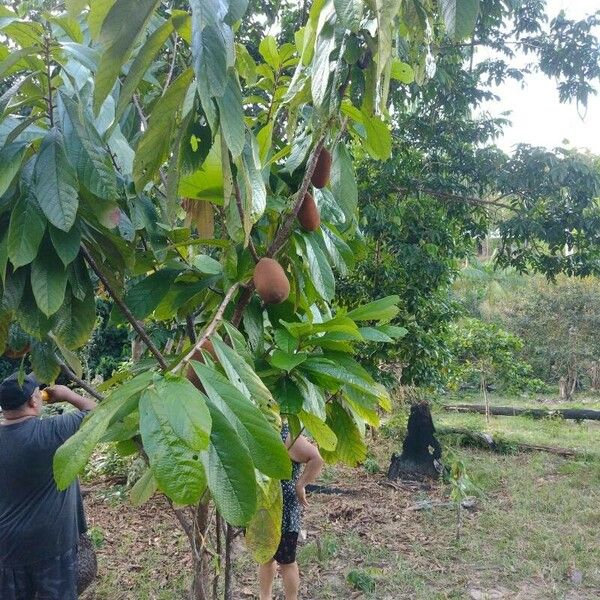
{"x":542,"y":400}
{"x":532,"y":535}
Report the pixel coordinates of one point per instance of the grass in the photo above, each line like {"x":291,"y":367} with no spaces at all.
{"x":546,"y":401}
{"x":535,"y":524}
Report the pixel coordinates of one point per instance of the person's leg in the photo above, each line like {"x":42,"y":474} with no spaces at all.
{"x":266,"y":575}
{"x":291,"y":580}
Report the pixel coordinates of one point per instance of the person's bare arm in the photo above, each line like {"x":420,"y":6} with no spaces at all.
{"x":302,"y":451}
{"x":61,"y":393}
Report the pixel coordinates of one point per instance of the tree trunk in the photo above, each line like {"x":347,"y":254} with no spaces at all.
{"x":200,"y":557}
{"x":228,"y":562}
{"x":421,"y":452}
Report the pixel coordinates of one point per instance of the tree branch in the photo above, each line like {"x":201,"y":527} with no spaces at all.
{"x":172,"y":68}
{"x":137,"y":326}
{"x":80,"y":382}
{"x":210,"y":329}
{"x":455,"y":197}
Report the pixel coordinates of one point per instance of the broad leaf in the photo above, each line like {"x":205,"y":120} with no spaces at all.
{"x":288,"y":396}
{"x":231,"y":116}
{"x":143,"y":489}
{"x":343,"y":182}
{"x":44,"y":363}
{"x":74,"y":322}
{"x":319,"y":431}
{"x":66,"y":243}
{"x":384,"y":309}
{"x":286,"y":362}
{"x":263,"y":441}
{"x":263,"y":533}
{"x":120,"y":29}
{"x":184,"y":407}
{"x":11,"y":157}
{"x":241,"y":375}
{"x":153,"y":147}
{"x":176,"y":467}
{"x":230,"y":472}
{"x":460,"y":17}
{"x":147,"y":294}
{"x":25,"y":231}
{"x":48,"y":280}
{"x":351,"y":448}
{"x":349,"y":13}
{"x":319,"y":267}
{"x":54,"y":182}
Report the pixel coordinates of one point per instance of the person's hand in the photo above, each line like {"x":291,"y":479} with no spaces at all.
{"x":301,"y":493}
{"x":58,"y":393}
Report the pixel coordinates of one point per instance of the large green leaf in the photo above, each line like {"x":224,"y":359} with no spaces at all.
{"x":143,"y":489}
{"x":48,"y":279}
{"x":184,"y":407}
{"x":87,"y":152}
{"x":25,"y":231}
{"x":66,"y":243}
{"x":231,"y":116}
{"x":30,"y":317}
{"x":120,"y":29}
{"x":44,"y":363}
{"x":321,"y":65}
{"x":177,"y":468}
{"x":147,"y":294}
{"x":319,"y":267}
{"x":241,"y":374}
{"x":54,"y":182}
{"x":264,"y":442}
{"x":343,"y":181}
{"x":349,"y":13}
{"x":212,"y":45}
{"x":288,"y":396}
{"x":384,"y":309}
{"x":142,"y":61}
{"x":75,"y":320}
{"x":230,"y":472}
{"x":73,"y":455}
{"x":320,"y":431}
{"x":154,"y":145}
{"x":460,"y":17}
{"x":263,"y":533}
{"x":286,"y":362}
{"x":351,"y":448}
{"x":379,"y":138}
{"x":11,"y":157}
{"x":313,"y":399}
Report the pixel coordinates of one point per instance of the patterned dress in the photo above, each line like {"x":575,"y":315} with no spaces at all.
{"x":291,"y":507}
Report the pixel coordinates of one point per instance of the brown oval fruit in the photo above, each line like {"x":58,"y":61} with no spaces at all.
{"x":320,"y":176}
{"x":271,"y":282}
{"x":308,"y":215}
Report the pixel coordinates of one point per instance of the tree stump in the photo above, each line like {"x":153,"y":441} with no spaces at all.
{"x":421,"y":452}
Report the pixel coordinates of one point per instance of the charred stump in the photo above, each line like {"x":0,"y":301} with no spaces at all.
{"x":421,"y":452}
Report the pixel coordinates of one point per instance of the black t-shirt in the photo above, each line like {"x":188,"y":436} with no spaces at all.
{"x":37,"y":522}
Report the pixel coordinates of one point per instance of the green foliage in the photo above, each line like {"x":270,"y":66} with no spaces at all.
{"x":361,"y":580}
{"x":485,"y":352}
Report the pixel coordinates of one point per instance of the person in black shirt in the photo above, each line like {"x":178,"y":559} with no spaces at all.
{"x":39,"y":525}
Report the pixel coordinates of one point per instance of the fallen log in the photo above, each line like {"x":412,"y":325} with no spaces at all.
{"x":577,"y":414}
{"x":485,"y":440}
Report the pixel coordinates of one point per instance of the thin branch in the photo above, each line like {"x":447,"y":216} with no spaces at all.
{"x":456,"y":197}
{"x":285,"y":230}
{"x":49,"y":76}
{"x":80,"y":382}
{"x":137,"y":326}
{"x":189,"y":325}
{"x":238,"y":201}
{"x":210,"y":329}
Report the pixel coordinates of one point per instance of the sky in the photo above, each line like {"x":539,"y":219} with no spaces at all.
{"x":537,"y":116}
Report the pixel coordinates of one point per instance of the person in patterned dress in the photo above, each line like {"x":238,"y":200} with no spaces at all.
{"x":302,"y":452}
